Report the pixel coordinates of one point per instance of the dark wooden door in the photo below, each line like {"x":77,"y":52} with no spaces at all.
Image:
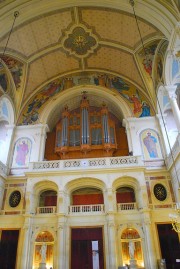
{"x":81,"y":248}
{"x":170,"y":245}
{"x":8,"y":249}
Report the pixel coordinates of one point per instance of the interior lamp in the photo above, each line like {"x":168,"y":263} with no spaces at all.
{"x":174,"y":220}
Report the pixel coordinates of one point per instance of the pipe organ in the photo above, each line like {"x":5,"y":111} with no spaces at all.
{"x":86,"y":129}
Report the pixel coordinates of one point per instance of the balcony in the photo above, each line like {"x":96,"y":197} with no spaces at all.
{"x":81,"y":209}
{"x":126,"y":206}
{"x":93,"y":163}
{"x":46,"y":210}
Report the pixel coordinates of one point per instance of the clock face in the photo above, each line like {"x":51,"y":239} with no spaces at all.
{"x":15,"y":198}
{"x":160,"y":192}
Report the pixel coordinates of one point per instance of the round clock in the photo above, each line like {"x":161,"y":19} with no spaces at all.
{"x":15,"y":198}
{"x":160,"y":192}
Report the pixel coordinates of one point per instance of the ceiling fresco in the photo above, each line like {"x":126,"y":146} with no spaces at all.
{"x":138,"y":103}
{"x":57,"y":47}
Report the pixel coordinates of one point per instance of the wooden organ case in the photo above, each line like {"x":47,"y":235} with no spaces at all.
{"x":86,"y":132}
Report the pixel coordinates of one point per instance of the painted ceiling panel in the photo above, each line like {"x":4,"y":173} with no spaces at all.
{"x":117,"y":61}
{"x":116,"y":26}
{"x":36,"y":76}
{"x":39,"y":34}
{"x":59,"y":39}
{"x":47,"y":67}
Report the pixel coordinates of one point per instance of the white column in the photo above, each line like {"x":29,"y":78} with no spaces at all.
{"x":119,"y":245}
{"x":26,"y":235}
{"x":2,"y":187}
{"x":149,"y":252}
{"x":112,"y":247}
{"x":128,"y":133}
{"x":163,"y":128}
{"x":42,"y":141}
{"x":171,"y":90}
{"x":110,"y":198}
{"x":9,"y":150}
{"x":61,"y":244}
{"x":61,"y":203}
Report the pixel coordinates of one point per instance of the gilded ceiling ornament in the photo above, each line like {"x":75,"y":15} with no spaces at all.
{"x":80,"y":41}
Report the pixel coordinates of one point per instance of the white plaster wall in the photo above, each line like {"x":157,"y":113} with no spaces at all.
{"x":37,"y":135}
{"x":134,"y":126}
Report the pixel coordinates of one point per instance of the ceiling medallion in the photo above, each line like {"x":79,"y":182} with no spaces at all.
{"x":80,"y":41}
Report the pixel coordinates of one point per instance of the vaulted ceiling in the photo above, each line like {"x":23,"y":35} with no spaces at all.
{"x":54,"y":39}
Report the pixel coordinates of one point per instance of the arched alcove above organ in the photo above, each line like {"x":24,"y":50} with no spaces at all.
{"x":87,"y":131}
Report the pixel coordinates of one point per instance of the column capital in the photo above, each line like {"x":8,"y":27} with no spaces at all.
{"x":171,"y":91}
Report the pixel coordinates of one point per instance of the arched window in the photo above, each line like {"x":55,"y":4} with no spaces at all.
{"x":87,"y":200}
{"x":125,"y":195}
{"x":125,"y":198}
{"x":47,"y":202}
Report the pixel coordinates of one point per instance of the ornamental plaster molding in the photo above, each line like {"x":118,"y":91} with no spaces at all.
{"x":80,"y":41}
{"x":171,"y":91}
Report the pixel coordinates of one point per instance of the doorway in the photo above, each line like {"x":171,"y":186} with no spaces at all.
{"x":169,"y":244}
{"x":87,"y":248}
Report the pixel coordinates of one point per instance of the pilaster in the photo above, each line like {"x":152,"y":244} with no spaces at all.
{"x":171,"y":91}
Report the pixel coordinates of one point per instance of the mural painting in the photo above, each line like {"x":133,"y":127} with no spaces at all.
{"x":16,"y":69}
{"x":22,"y":152}
{"x":147,"y":58}
{"x":3,"y":78}
{"x":159,"y":63}
{"x":137,"y":102}
{"x":31,"y":113}
{"x":150,"y":145}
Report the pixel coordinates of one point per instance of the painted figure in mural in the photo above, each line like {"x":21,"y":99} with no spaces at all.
{"x":119,"y":84}
{"x":159,"y":69}
{"x":137,"y":103}
{"x":22,"y":151}
{"x":148,"y":60}
{"x":3,"y":81}
{"x":150,"y":143}
{"x":43,"y":252}
{"x":16,"y":69}
{"x":131,"y":249}
{"x":51,"y":89}
{"x":145,"y":110}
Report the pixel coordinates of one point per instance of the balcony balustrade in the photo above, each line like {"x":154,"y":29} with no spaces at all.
{"x":73,"y":209}
{"x":46,"y":210}
{"x":126,"y":206}
{"x":93,"y":163}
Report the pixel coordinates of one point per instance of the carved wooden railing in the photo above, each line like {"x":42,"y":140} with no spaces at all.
{"x":46,"y":210}
{"x":73,"y":209}
{"x":126,"y":206}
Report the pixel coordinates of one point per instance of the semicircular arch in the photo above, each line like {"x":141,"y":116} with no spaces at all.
{"x":84,"y":182}
{"x":113,"y":100}
{"x":126,"y":181}
{"x":45,"y":185}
